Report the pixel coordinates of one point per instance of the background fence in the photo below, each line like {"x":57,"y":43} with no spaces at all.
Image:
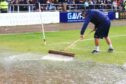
{"x":60,"y":7}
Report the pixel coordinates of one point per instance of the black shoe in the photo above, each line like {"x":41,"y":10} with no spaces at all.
{"x":110,"y":50}
{"x":95,"y":52}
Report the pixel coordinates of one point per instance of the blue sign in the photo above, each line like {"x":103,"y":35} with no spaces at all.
{"x":76,"y":16}
{"x":111,"y":15}
{"x":71,"y":17}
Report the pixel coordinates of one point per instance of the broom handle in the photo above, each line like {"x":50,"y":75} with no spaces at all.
{"x":73,"y":43}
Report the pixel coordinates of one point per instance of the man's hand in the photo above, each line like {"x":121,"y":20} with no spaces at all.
{"x":81,"y":37}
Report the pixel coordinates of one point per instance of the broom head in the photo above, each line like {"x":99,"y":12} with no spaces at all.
{"x":69,"y":54}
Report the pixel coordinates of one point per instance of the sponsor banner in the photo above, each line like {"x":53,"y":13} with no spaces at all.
{"x":111,"y":15}
{"x":122,"y":15}
{"x":76,"y":16}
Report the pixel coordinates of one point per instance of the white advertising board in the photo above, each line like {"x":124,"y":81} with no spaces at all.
{"x":32,"y":18}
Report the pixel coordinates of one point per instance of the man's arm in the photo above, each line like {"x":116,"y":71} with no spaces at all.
{"x":87,"y":20}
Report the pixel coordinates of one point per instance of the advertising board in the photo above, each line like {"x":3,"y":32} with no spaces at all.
{"x":69,"y":17}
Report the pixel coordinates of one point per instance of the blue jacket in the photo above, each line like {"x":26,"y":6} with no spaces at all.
{"x":96,"y":17}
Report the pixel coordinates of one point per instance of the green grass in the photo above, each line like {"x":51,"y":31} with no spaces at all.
{"x":33,"y":42}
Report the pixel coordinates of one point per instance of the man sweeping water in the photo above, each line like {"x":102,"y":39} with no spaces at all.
{"x":102,"y":25}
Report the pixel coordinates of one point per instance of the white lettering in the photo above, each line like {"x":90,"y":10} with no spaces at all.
{"x":74,"y":16}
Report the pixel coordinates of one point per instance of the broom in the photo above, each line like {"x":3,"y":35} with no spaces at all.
{"x":63,"y":52}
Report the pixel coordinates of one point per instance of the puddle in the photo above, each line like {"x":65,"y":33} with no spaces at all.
{"x":29,"y":68}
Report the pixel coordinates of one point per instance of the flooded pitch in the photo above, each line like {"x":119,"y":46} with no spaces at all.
{"x":30,"y":68}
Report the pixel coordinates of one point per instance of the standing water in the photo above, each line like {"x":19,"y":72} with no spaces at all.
{"x":29,"y":68}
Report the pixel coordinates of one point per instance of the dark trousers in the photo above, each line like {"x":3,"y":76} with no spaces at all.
{"x":3,"y":11}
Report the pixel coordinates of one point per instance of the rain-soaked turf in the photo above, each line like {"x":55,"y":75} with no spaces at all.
{"x":32,"y":68}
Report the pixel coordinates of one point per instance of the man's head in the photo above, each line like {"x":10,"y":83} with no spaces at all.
{"x":84,"y":13}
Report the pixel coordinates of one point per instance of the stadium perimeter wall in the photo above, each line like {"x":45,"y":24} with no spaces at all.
{"x":34,"y":18}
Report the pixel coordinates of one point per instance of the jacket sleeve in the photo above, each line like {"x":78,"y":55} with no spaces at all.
{"x":86,"y":22}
